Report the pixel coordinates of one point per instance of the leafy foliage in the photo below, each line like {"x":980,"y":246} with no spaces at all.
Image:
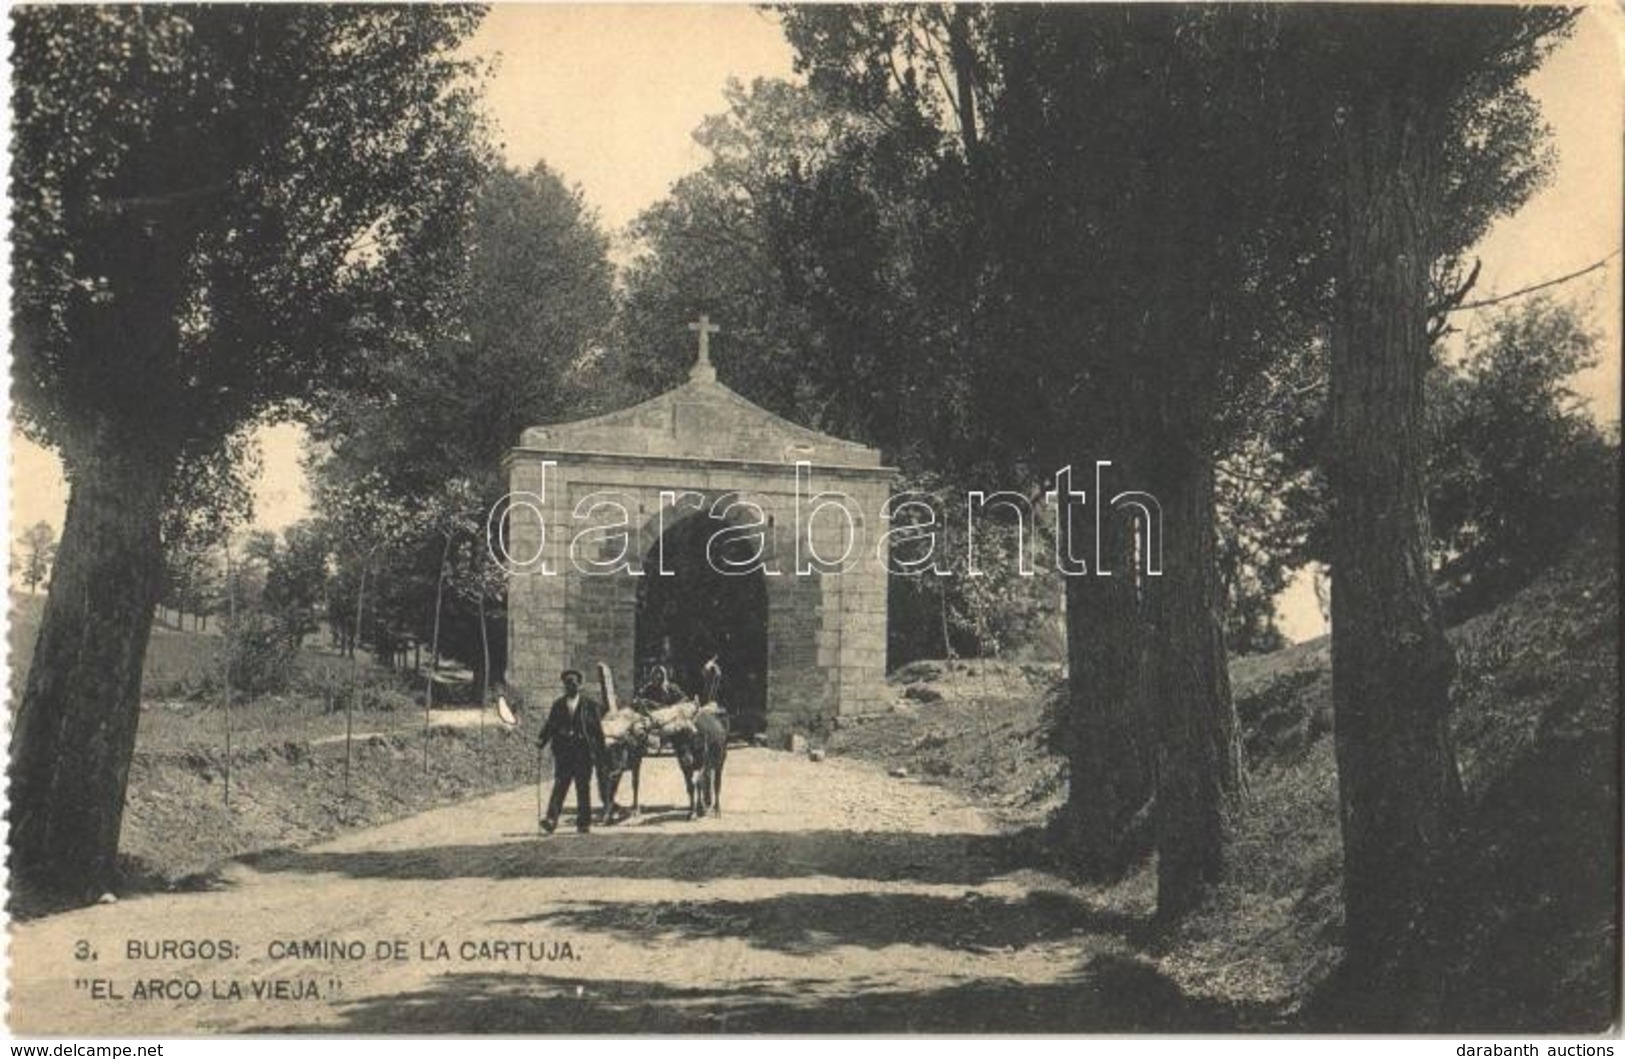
{"x":792,"y":236}
{"x":296,"y":581}
{"x":1260,"y":542}
{"x":258,"y":655}
{"x":423,"y":435}
{"x":192,"y":579}
{"x":267,"y":215}
{"x":530,"y":306}
{"x":38,"y":547}
{"x":993,"y":595}
{"x":1517,"y":467}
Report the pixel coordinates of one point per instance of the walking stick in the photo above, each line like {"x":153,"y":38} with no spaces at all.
{"x":538,"y":783}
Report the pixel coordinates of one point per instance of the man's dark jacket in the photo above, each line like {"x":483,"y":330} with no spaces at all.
{"x":579,"y":740}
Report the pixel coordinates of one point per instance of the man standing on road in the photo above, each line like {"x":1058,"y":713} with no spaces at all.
{"x":575,"y":728}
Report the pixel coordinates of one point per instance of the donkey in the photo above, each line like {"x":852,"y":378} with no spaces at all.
{"x":701,"y":753}
{"x":626,"y":741}
{"x":625,"y":755}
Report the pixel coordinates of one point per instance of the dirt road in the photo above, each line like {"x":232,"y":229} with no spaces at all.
{"x":828,"y":897}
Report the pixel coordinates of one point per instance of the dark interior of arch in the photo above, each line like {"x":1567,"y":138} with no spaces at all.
{"x":696,"y":611}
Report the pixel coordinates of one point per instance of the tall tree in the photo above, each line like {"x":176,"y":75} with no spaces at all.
{"x":531,"y":305}
{"x":809,"y":234}
{"x":38,"y":549}
{"x":295,"y":580}
{"x":788,"y":236}
{"x":220,"y":212}
{"x":523,"y":345}
{"x":1432,"y":135}
{"x":1131,"y":252}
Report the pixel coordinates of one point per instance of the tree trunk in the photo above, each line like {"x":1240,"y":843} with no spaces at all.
{"x":76,"y":726}
{"x":1391,"y":664}
{"x":355,"y":684}
{"x":1108,"y":730}
{"x":485,"y":676}
{"x":1198,"y":773}
{"x":428,"y":689}
{"x":962,"y":54}
{"x":231,"y":618}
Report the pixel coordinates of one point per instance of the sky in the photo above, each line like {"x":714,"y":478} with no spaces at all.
{"x":609,"y":94}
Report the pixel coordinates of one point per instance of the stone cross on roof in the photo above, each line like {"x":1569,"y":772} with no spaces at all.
{"x":703,"y":370}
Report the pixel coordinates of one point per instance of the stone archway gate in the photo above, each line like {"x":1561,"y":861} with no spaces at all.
{"x":700,"y":443}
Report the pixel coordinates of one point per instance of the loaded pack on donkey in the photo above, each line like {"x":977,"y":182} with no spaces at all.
{"x":662,"y":715}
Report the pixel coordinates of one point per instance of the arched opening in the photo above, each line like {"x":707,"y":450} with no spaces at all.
{"x":696,"y":611}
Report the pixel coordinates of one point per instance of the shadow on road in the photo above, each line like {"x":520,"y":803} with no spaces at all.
{"x":688,"y":856}
{"x":1107,"y":995}
{"x":809,"y":923}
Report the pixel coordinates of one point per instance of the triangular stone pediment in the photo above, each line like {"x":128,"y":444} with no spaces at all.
{"x":700,"y":420}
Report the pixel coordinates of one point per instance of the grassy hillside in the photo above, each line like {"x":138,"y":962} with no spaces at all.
{"x":179,"y":662}
{"x":181,"y":692}
{"x":173,"y":658}
{"x":287,"y":764}
{"x":1536,"y":873}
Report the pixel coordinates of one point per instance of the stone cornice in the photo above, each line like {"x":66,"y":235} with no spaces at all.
{"x":690,"y":463}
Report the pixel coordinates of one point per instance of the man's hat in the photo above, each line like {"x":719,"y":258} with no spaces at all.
{"x":568,"y":673}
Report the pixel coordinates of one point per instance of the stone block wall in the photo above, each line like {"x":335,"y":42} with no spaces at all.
{"x":826,"y":630}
